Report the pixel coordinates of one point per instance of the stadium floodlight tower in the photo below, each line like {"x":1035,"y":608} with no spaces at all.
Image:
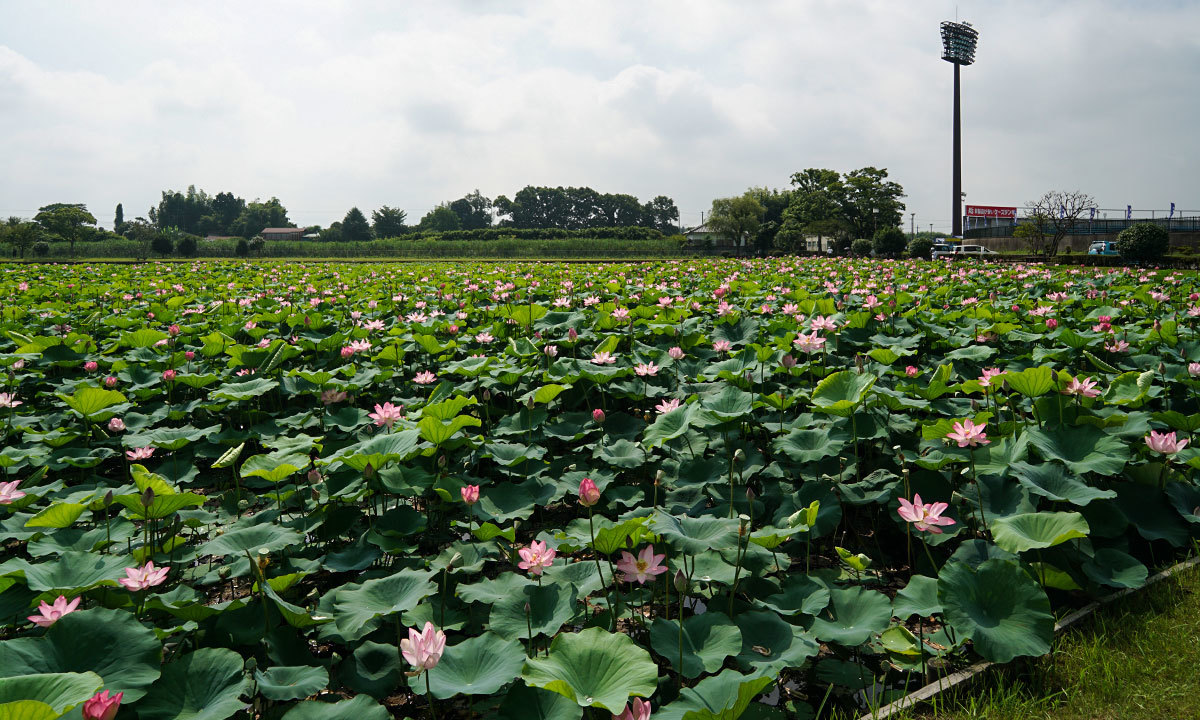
{"x":958,"y":47}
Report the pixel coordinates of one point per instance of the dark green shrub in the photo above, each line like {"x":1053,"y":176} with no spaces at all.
{"x":41,"y":248}
{"x":1143,"y":242}
{"x":921,"y":247}
{"x":889,"y":242}
{"x":861,"y":247}
{"x":243,"y":248}
{"x":162,"y":244}
{"x":187,"y":246}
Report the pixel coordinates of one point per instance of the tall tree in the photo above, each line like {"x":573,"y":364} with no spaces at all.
{"x":872,"y":201}
{"x":474,"y":211}
{"x":440,"y":219}
{"x":118,"y":219}
{"x":662,"y":214}
{"x":355,"y":227}
{"x":737,"y":218}
{"x":21,"y":234}
{"x":817,"y":205}
{"x":67,"y":220}
{"x":1056,"y":214}
{"x":258,"y":215}
{"x":389,"y":222}
{"x":224,"y":211}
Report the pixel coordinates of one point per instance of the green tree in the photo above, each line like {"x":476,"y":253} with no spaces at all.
{"x":872,"y":201}
{"x":333,"y":233}
{"x":920,"y":247}
{"x":21,"y":234}
{"x":737,"y":218}
{"x":790,"y":237}
{"x":118,"y":219}
{"x":1143,"y":242}
{"x":440,"y":219}
{"x":889,"y":242}
{"x":818,"y":203}
{"x":662,"y":214}
{"x":1056,"y":214}
{"x":223,"y":213}
{"x":68,"y":221}
{"x":163,"y":243}
{"x":388,"y":222}
{"x":187,"y":246}
{"x":355,"y":227}
{"x":258,"y":215}
{"x":473,"y":210}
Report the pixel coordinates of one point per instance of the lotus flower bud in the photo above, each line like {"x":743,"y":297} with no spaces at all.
{"x":148,"y":497}
{"x":314,"y":476}
{"x":108,"y":498}
{"x":572,"y":335}
{"x":788,"y":362}
{"x":750,"y":494}
{"x":680,"y":581}
{"x":598,"y":415}
{"x":487,"y":395}
{"x":589,"y":494}
{"x":369,"y":472}
{"x":739,"y":455}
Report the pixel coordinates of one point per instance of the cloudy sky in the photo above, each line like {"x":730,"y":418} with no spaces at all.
{"x":329,"y":105}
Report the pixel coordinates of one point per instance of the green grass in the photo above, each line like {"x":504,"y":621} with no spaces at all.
{"x":1137,"y":659}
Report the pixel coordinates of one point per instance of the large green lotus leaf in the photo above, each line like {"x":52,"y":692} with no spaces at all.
{"x":27,"y":710}
{"x":489,"y":590}
{"x":202,"y":685}
{"x":58,"y":515}
{"x":1186,"y":500}
{"x":997,"y":457}
{"x":707,"y":640}
{"x":478,"y":666}
{"x":799,"y":594}
{"x":744,"y":330}
{"x":809,"y":446}
{"x":857,"y":614}
{"x":549,"y":607}
{"x":61,"y":691}
{"x":162,"y":506}
{"x":76,"y":571}
{"x":770,"y":644}
{"x":84,"y":641}
{"x":976,"y":552}
{"x":668,"y":426}
{"x":594,"y":668}
{"x":1147,"y":509}
{"x":1115,"y":569}
{"x":730,"y":403}
{"x":359,"y":707}
{"x":696,"y":535}
{"x":919,"y":597}
{"x":723,"y":697}
{"x":276,"y":466}
{"x":380,"y":450}
{"x":1031,"y":382}
{"x":1026,"y":531}
{"x":1083,"y":449}
{"x":526,"y":703}
{"x":291,"y":682}
{"x":1129,"y":389}
{"x":251,"y":539}
{"x":1052,"y":481}
{"x":998,"y":606}
{"x":234,"y":391}
{"x":355,"y":606}
{"x":840,"y":393}
{"x":509,"y":454}
{"x":169,"y":438}
{"x":437,"y":432}
{"x":614,"y":538}
{"x":622,"y":454}
{"x":93,"y":403}
{"x":374,"y":669}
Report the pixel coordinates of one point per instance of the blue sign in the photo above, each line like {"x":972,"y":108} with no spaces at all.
{"x":1128,"y":212}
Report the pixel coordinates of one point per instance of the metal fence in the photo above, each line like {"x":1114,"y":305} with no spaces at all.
{"x":1093,"y":227}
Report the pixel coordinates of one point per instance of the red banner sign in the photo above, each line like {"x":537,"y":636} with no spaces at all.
{"x":991,"y":211}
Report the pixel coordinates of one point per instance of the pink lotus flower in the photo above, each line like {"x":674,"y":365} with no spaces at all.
{"x":49,"y":614}
{"x":470,"y":494}
{"x":91,"y":366}
{"x":988,"y":373}
{"x":424,"y":378}
{"x":721,"y":345}
{"x":967,"y":433}
{"x":1194,"y":369}
{"x":645,"y":369}
{"x":667,"y":406}
{"x":911,"y":371}
{"x":821,"y":322}
{"x":924,"y":517}
{"x":101,"y":706}
{"x":110,"y":382}
{"x":116,"y":424}
{"x":423,"y":650}
{"x":598,"y":416}
{"x":329,"y":397}
{"x":1051,"y":323}
{"x":536,"y":558}
{"x":168,"y":375}
{"x":589,"y":494}
{"x":9,"y":492}
{"x":676,"y":353}
{"x":787,"y":361}
{"x":1165,"y":443}
{"x":639,"y":709}
{"x":173,"y":330}
{"x":642,"y":568}
{"x":1086,"y":387}
{"x":145,"y":577}
{"x":141,"y":453}
{"x":484,"y":337}
{"x":386,"y":414}
{"x":1117,"y":346}
{"x":550,"y":351}
{"x":603,"y":358}
{"x":9,"y":400}
{"x":809,"y":343}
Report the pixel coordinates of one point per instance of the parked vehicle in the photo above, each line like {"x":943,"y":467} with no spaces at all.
{"x":943,"y":249}
{"x":1103,"y":247}
{"x":973,"y":251}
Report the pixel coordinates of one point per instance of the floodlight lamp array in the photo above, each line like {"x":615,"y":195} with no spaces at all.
{"x":958,"y":42}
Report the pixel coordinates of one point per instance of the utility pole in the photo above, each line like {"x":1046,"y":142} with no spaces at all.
{"x":914,"y":225}
{"x":958,"y":43}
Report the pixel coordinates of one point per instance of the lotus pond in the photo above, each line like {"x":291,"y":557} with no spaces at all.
{"x":690,"y":489}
